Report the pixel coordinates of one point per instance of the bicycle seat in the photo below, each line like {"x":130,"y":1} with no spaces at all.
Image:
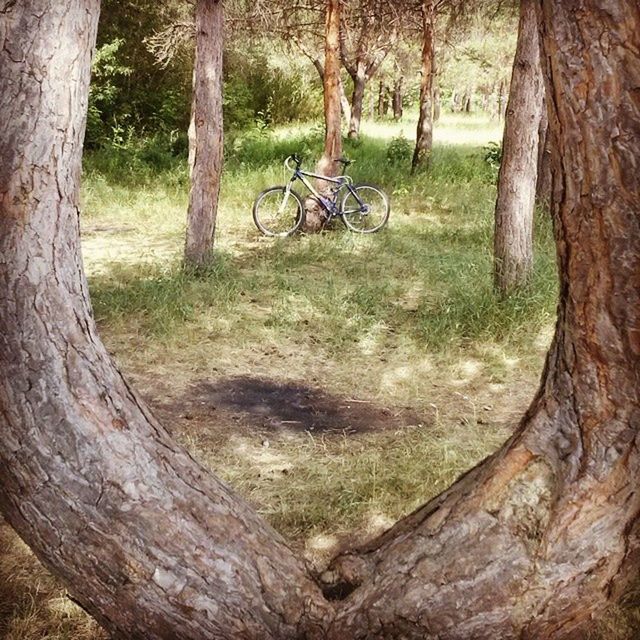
{"x":345,"y":161}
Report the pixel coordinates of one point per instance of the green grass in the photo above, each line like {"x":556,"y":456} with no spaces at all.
{"x":428,"y":277}
{"x":412,"y":307}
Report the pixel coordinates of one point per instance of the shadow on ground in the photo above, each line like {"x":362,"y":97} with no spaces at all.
{"x":260,"y":403}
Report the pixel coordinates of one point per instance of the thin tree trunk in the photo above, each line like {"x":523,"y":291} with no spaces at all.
{"x":533,"y":543}
{"x":397,"y":99}
{"x":345,"y":107}
{"x":315,"y":215}
{"x":513,"y":236}
{"x":436,"y":103}
{"x":424,"y":135}
{"x":332,"y":65}
{"x":381,"y":99}
{"x":206,"y":135}
{"x":359,"y":83}
{"x":502,"y":101}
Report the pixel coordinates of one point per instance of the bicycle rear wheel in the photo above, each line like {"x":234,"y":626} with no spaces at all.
{"x":278,"y":213}
{"x":365,"y":209}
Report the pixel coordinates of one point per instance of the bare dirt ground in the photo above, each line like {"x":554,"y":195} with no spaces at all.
{"x":267,"y":406}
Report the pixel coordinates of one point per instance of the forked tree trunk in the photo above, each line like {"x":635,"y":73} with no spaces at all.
{"x":424,"y":134}
{"x":345,"y":107}
{"x":205,"y":135}
{"x":531,"y":544}
{"x":371,"y":49}
{"x":515,"y":203}
{"x":315,"y":215}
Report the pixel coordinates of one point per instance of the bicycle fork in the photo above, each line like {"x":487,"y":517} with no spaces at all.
{"x":287,"y":193}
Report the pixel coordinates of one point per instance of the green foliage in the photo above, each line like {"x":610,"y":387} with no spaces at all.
{"x":399,"y":150}
{"x":493,"y":156}
{"x":131,"y":96}
{"x":107,"y":70}
{"x":266,"y":90}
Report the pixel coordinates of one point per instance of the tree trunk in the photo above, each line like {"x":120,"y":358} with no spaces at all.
{"x":316,"y":217}
{"x":359,"y":83}
{"x":148,"y":542}
{"x":502,"y":101}
{"x":531,"y":544}
{"x":436,"y":103}
{"x":345,"y":107}
{"x":381,"y":98}
{"x":397,"y":99}
{"x":536,"y":541}
{"x":513,"y":237}
{"x":544,"y":182}
{"x":205,"y":138}
{"x":424,"y":135}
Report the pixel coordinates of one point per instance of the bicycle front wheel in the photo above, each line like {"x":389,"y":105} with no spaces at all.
{"x":365,"y":209}
{"x":278,"y":213}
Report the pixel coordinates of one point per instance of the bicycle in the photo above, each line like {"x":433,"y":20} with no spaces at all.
{"x":279,"y":211}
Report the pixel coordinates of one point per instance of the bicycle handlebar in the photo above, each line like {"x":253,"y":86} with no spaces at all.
{"x":296,"y":158}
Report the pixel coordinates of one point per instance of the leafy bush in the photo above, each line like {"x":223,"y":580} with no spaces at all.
{"x":399,"y":150}
{"x":493,"y":155}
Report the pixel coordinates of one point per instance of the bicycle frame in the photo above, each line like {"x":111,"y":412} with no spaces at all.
{"x":330,"y":206}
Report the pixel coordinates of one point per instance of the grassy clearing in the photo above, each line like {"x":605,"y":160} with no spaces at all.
{"x":411,"y":310}
{"x":406,"y":318}
{"x":319,"y":489}
{"x":423,"y":287}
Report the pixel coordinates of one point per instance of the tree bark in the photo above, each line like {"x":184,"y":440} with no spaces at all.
{"x":424,"y":135}
{"x":316,"y":216}
{"x":544,"y":181}
{"x":536,"y":541}
{"x":398,"y":99}
{"x":206,"y":135}
{"x":359,"y":83}
{"x":513,"y":235}
{"x":531,"y":544}
{"x":146,"y":540}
